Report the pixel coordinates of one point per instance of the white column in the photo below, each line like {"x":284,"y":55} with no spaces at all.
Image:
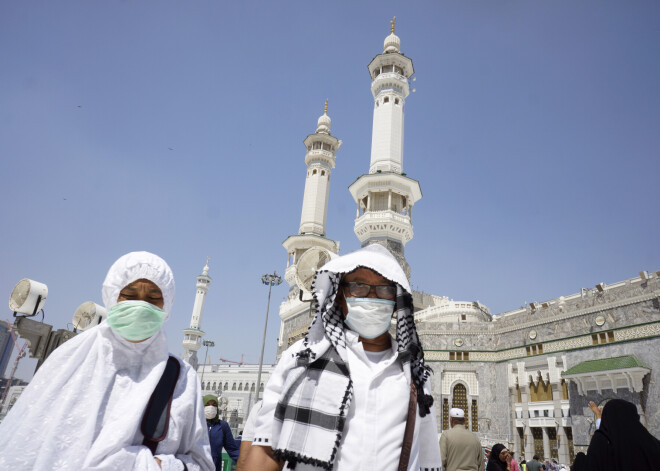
{"x":547,"y":453}
{"x":529,"y":442}
{"x":563,"y":445}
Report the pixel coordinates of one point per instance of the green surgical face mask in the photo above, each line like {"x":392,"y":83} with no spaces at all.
{"x":135,"y":320}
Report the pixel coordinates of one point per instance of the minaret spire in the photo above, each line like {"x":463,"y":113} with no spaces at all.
{"x":385,"y":195}
{"x":192,"y":339}
{"x":320,"y":159}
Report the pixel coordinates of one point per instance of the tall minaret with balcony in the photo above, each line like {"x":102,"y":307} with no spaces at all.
{"x":192,"y":339}
{"x":320,"y":160}
{"x":385,"y":196}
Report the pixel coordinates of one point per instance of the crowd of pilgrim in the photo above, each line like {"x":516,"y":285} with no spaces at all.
{"x":349,"y":396}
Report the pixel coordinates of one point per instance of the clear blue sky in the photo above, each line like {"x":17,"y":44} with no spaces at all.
{"x":534,"y":132}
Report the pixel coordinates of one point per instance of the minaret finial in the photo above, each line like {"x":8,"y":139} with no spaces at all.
{"x":325,"y":110}
{"x":392,"y":23}
{"x":207,"y":261}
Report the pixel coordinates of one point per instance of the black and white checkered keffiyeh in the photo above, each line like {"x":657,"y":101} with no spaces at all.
{"x":318,"y":392}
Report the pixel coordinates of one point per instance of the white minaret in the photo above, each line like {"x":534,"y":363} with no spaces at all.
{"x":192,"y":339}
{"x":320,"y":159}
{"x":385,"y":196}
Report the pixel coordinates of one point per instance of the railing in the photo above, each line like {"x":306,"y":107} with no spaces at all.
{"x":391,"y":75}
{"x":383,"y":215}
{"x":319,"y":152}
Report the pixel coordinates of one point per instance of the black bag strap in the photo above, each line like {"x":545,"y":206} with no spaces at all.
{"x":156,"y":419}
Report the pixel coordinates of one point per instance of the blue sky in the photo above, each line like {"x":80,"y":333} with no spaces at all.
{"x":534,"y":132}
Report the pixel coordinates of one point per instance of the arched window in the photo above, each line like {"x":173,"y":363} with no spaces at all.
{"x":226,"y":386}
{"x":252,"y":388}
{"x":396,"y":101}
{"x":314,"y":172}
{"x":213,"y":388}
{"x":322,"y":173}
{"x":261,"y":388}
{"x":208,"y":385}
{"x":233,"y":387}
{"x":240,"y":386}
{"x":386,"y":99}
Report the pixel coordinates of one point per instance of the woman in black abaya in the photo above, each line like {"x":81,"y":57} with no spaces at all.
{"x":621,"y":443}
{"x":499,"y":458}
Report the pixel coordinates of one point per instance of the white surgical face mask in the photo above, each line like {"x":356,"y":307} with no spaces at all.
{"x":369,"y":317}
{"x":210,"y":412}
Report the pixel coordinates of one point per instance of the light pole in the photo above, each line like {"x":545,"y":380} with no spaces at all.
{"x":271,"y":280}
{"x":207,"y":344}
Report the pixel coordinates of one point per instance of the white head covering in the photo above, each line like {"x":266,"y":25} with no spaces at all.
{"x":456,"y":413}
{"x":135,"y":266}
{"x":373,"y":256}
{"x":83,"y":408}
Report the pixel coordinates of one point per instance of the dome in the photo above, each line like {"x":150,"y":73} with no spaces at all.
{"x":323,"y":124}
{"x":392,"y":43}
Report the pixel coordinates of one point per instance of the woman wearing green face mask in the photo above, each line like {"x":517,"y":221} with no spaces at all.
{"x":84,"y":407}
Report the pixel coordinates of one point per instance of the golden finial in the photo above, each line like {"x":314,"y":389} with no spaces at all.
{"x":207,"y":261}
{"x":392,"y":23}
{"x":325,"y":110}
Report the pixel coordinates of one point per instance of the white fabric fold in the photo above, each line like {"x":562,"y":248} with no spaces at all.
{"x":374,"y":256}
{"x":84,"y":406}
{"x":135,"y":266}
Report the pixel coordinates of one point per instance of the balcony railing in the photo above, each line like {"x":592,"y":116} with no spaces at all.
{"x":386,"y":215}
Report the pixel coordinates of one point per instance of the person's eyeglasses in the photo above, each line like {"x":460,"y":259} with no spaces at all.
{"x":362,"y":290}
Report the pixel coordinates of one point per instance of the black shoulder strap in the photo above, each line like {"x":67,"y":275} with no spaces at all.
{"x":157,"y":414}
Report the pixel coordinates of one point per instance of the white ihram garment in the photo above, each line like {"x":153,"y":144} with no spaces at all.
{"x":248,"y":430}
{"x":83,"y":408}
{"x":373,"y":436}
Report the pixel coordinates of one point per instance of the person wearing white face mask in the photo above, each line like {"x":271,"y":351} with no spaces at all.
{"x":84,"y":408}
{"x":219,"y":433}
{"x":348,"y":396}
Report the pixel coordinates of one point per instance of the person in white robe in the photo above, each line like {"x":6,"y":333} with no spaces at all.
{"x":343,"y":397}
{"x":83,"y":408}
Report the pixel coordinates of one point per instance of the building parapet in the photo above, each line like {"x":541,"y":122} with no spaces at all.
{"x":621,"y":334}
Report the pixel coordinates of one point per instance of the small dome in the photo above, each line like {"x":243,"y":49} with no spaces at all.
{"x":324,"y":124}
{"x":392,"y":43}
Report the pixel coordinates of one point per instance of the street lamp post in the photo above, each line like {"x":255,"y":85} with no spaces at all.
{"x":271,"y":280}
{"x":207,"y":344}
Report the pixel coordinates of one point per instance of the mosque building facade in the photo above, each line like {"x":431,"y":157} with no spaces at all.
{"x":523,"y":377}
